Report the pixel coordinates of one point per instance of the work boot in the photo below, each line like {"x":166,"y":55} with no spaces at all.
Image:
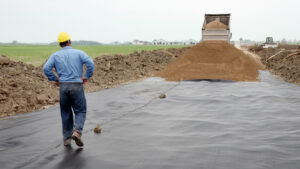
{"x":77,"y":138}
{"x":67,"y":142}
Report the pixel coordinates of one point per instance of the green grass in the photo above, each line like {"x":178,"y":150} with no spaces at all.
{"x":37,"y":54}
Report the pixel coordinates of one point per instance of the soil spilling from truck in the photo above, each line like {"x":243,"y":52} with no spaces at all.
{"x":216,"y":25}
{"x":213,"y":60}
{"x":111,"y":71}
{"x":24,"y":88}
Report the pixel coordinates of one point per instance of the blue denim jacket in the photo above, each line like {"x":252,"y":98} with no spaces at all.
{"x":68,"y":64}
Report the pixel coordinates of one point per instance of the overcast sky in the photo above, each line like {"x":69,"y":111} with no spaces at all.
{"x":126,"y":20}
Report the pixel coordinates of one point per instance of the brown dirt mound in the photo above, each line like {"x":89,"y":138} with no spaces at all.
{"x":113,"y":70}
{"x":213,"y":60}
{"x":215,"y":25}
{"x":24,"y":88}
{"x":283,"y":61}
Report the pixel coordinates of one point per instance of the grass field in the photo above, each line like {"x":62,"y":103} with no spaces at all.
{"x":37,"y":54}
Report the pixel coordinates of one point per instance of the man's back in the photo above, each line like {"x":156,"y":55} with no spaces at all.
{"x":68,"y":63}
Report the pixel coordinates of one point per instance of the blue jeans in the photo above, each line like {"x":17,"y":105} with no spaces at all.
{"x":72,"y":98}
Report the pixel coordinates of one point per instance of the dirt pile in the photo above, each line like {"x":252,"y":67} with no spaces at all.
{"x":117,"y":69}
{"x":213,"y":60}
{"x":24,"y":88}
{"x":216,"y":25}
{"x":283,"y":61}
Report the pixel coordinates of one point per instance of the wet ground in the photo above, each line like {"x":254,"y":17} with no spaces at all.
{"x":200,"y":124}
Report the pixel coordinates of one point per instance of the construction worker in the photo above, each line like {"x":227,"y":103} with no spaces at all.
{"x":68,"y":64}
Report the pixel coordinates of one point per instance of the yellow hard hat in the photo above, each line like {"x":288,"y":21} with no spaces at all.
{"x":62,"y":37}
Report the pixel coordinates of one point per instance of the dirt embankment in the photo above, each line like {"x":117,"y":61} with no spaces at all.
{"x":117,"y":69}
{"x":24,"y":88}
{"x":213,"y":60}
{"x":283,"y":61}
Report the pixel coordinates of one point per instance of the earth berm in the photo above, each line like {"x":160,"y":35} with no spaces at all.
{"x":24,"y":88}
{"x":283,"y":61}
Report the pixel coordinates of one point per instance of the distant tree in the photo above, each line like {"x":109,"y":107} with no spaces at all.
{"x":80,"y":42}
{"x":53,"y":43}
{"x":283,"y":41}
{"x":14,"y":42}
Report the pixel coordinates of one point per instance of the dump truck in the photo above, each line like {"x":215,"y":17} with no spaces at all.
{"x":216,"y":27}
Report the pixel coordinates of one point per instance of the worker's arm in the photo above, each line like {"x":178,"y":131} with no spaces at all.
{"x":89,"y":64}
{"x":48,"y":69}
